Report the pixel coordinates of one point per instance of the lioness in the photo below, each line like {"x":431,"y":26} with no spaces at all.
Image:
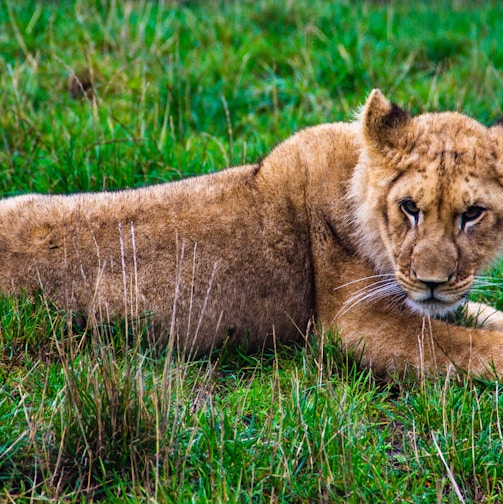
{"x":376,"y":228}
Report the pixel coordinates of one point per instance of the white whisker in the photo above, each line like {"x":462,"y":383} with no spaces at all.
{"x":487,"y":281}
{"x":363,"y":279}
{"x":487,"y":285}
{"x":362,"y":295}
{"x":397,"y":299}
{"x":374,"y":285}
{"x":383,"y":288}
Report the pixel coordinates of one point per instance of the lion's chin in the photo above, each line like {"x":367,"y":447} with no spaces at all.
{"x":433,"y":307}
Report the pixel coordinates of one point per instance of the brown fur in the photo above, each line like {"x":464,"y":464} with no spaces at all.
{"x":324,"y":227}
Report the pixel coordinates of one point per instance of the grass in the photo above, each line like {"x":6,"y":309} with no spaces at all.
{"x":170,"y":90}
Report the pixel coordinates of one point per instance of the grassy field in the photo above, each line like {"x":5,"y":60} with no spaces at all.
{"x":170,"y":90}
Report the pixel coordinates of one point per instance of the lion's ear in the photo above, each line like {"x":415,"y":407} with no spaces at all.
{"x":382,"y":121}
{"x":496,"y":130}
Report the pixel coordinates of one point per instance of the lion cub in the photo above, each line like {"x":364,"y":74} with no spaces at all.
{"x":376,"y":228}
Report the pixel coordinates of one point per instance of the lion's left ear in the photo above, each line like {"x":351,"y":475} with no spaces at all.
{"x":382,"y":121}
{"x":497,"y":131}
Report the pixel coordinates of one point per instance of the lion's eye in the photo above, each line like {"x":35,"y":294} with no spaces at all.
{"x":471,"y":215}
{"x":410,"y":209}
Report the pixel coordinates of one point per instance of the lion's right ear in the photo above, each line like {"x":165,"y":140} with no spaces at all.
{"x":382,"y":121}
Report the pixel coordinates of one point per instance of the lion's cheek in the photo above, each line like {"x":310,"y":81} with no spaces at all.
{"x":402,"y":242}
{"x":404,"y":257}
{"x":477,"y":250}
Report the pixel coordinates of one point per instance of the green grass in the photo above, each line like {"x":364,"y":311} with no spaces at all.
{"x":177,"y":89}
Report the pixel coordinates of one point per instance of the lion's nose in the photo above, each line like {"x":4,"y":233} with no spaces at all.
{"x":432,"y":285}
{"x":434,"y":262}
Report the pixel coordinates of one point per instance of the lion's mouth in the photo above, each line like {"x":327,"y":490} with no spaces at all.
{"x":434,"y":306}
{"x":433,"y":298}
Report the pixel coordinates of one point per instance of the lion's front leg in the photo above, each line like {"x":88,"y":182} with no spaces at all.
{"x":393,"y":340}
{"x":482,"y":315}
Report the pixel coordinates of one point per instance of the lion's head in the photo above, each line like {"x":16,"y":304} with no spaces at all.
{"x":427,"y":197}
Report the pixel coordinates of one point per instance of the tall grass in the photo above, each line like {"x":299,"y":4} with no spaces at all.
{"x":104,"y":94}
